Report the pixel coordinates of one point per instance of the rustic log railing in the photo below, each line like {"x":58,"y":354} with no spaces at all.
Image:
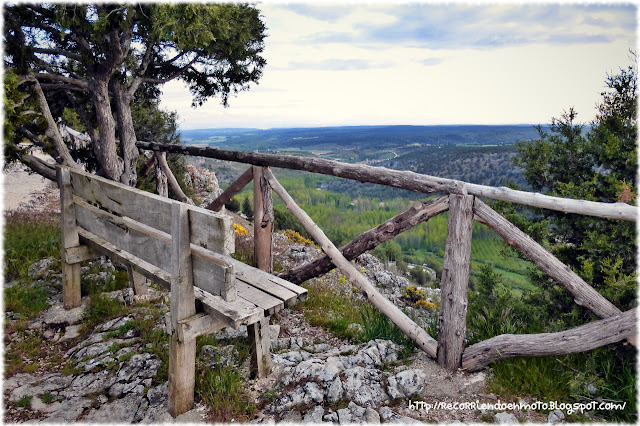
{"x":462,"y":202}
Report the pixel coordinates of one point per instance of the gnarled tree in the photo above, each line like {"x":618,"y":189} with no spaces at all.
{"x":82,"y":65}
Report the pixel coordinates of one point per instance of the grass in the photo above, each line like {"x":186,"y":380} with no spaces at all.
{"x":24,"y":402}
{"x":28,"y":300}
{"x":29,"y":237}
{"x":224,"y":389}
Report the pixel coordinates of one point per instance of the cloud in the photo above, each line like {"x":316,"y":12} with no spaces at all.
{"x":429,"y":62}
{"x":338,"y":65}
{"x":439,"y":26}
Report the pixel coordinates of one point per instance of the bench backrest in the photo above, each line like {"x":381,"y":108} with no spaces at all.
{"x":139,"y":223}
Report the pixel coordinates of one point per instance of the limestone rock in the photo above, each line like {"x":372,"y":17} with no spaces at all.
{"x":556,"y":416}
{"x":406,"y":384}
{"x":505,"y":418}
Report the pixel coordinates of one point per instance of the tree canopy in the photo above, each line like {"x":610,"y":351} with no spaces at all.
{"x":81,"y":66}
{"x":598,"y":164}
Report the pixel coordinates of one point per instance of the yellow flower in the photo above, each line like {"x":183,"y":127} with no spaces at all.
{"x":240,"y":230}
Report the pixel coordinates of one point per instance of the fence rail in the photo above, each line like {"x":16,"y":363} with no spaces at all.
{"x":461,"y":200}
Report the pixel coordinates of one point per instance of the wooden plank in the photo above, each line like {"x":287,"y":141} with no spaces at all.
{"x":118,"y":232}
{"x":141,"y":206}
{"x":198,"y":325}
{"x":213,"y":231}
{"x":137,"y":282}
{"x":235,"y":313}
{"x":254,"y":275}
{"x":79,"y":254}
{"x":212,"y":271}
{"x":150,"y":271}
{"x":261,"y":345}
{"x":404,"y":179}
{"x":404,"y":323}
{"x":71,"y":290}
{"x":452,"y":321}
{"x":237,"y":186}
{"x":579,"y":339}
{"x":182,"y":354}
{"x":262,"y":221}
{"x":267,"y":302}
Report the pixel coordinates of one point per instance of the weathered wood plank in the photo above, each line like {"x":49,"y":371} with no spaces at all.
{"x":141,"y":206}
{"x":237,"y":186}
{"x":119,"y":232}
{"x":182,"y":354}
{"x":79,"y":254}
{"x":212,"y":271}
{"x":579,"y":339}
{"x":137,"y":282}
{"x":404,"y":179}
{"x":452,"y":321}
{"x":198,"y":325}
{"x":235,"y":313}
{"x":263,"y":221}
{"x":254,"y":275}
{"x":370,"y":239}
{"x":404,"y":323}
{"x":251,"y":294}
{"x":150,"y":271}
{"x":261,"y":345}
{"x":71,"y":292}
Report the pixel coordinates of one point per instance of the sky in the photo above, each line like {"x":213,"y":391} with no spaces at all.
{"x":388,"y":63}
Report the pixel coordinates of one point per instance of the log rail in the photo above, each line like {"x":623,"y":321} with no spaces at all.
{"x":461,"y":199}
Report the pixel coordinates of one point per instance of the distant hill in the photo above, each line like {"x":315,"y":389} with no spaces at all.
{"x":371,"y":137}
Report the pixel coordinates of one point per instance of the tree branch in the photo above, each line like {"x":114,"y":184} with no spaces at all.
{"x":52,"y":129}
{"x":41,"y":167}
{"x":84,"y":85}
{"x":171,"y":179}
{"x":60,"y":52}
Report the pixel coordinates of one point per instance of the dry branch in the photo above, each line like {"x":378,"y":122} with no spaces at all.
{"x":404,"y":323}
{"x":237,"y":186}
{"x":406,"y":180}
{"x":370,"y":239}
{"x":171,"y":180}
{"x":579,"y":339}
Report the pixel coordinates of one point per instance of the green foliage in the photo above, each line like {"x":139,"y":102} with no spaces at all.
{"x":233,"y":205}
{"x":47,"y":397}
{"x":101,"y":308}
{"x":28,"y":299}
{"x":24,"y":402}
{"x":247,"y":208}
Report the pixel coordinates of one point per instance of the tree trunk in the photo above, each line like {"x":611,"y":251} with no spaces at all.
{"x":162,"y":188}
{"x":128,"y":149}
{"x":111,"y":165}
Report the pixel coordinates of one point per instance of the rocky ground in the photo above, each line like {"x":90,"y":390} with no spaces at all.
{"x":112,"y":368}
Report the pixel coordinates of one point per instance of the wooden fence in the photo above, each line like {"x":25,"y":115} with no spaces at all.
{"x":464,"y":206}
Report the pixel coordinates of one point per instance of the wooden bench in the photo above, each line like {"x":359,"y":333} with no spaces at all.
{"x":184,"y":248}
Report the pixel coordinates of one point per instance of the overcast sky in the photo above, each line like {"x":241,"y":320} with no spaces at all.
{"x":333,"y":64}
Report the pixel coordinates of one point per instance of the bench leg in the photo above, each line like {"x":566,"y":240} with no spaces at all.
{"x":182,"y":375}
{"x":260,"y":348}
{"x":137,"y":282}
{"x":71,"y":297}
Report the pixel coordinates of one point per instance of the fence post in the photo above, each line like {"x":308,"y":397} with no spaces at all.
{"x":262,"y":221}
{"x":71,"y":297}
{"x":182,"y":355}
{"x":455,"y":277}
{"x":263,"y":259}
